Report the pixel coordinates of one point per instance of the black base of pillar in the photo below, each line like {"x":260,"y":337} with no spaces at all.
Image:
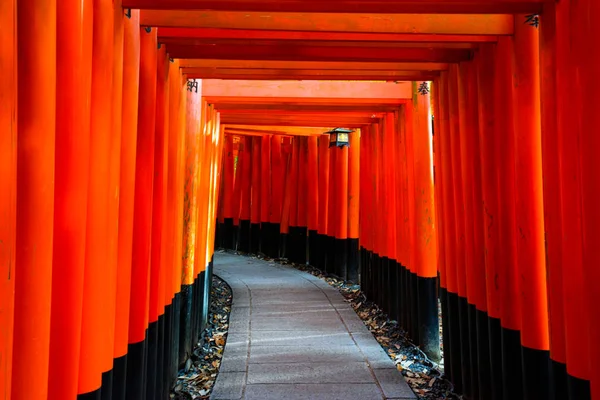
{"x":228,"y":234}
{"x":578,"y":388}
{"x":446,"y":334}
{"x":270,"y":244}
{"x":152,"y":360}
{"x":175,"y":334}
{"x":512,"y":372}
{"x":107,"y":385}
{"x":119,"y":391}
{"x":329,"y":244}
{"x":474,"y":377}
{"x":244,"y":242}
{"x":207,"y":290}
{"x":341,"y":257}
{"x":254,"y":238}
{"x":536,"y":373}
{"x":95,"y":395}
{"x":302,"y":245}
{"x":160,"y":359}
{"x":484,"y":377}
{"x":385,"y":284}
{"x":136,"y":370}
{"x":218,"y":235}
{"x":353,"y":261}
{"x":186,"y":321}
{"x":363,"y":278}
{"x":463,"y":313}
{"x":495,"y":330}
{"x":414,"y":308}
{"x":283,"y":245}
{"x":454,"y":345}
{"x":394,"y":303}
{"x":167,"y":350}
{"x":313,"y":248}
{"x":558,"y":378}
{"x":429,"y":325}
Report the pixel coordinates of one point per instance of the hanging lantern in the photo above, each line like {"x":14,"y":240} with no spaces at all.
{"x":339,"y":137}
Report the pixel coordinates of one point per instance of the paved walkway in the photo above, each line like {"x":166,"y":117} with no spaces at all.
{"x":292,"y":336}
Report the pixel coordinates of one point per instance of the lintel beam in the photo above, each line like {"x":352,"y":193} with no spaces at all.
{"x":312,"y":65}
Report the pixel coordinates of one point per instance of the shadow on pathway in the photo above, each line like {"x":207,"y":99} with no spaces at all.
{"x":292,"y":336}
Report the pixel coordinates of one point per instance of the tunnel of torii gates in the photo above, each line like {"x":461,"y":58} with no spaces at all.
{"x":129,"y":132}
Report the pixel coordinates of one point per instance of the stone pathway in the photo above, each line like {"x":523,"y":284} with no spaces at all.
{"x":292,"y":336}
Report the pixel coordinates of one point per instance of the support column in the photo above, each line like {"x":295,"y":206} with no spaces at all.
{"x":246,"y":182}
{"x":256,"y":190}
{"x":228,"y":187}
{"x":71,"y":190}
{"x":505,"y":166}
{"x":530,"y":211}
{"x":321,"y":242}
{"x":329,"y":242}
{"x":353,"y":205}
{"x":313,"y":198}
{"x":8,"y":186}
{"x":277,"y":183}
{"x":265,"y":193}
{"x":490,"y":371}
{"x":142,"y":218}
{"x":237,"y":192}
{"x":426,"y":262}
{"x":302,"y":230}
{"x":365,"y":217}
{"x":100,"y":279}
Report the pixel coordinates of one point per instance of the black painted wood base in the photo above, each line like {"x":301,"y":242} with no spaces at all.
{"x":95,"y":395}
{"x":270,"y":233}
{"x":353,"y":261}
{"x":302,"y":245}
{"x":536,"y":373}
{"x":473,"y":358}
{"x":119,"y":388}
{"x":244,"y":236}
{"x":136,"y":370}
{"x":463,"y":313}
{"x":329,"y":250}
{"x":446,"y":334}
{"x":395,"y":292}
{"x":254,"y":238}
{"x":454,"y":344}
{"x":558,"y":379}
{"x":160,"y":359}
{"x":512,"y":371}
{"x":185,"y":327}
{"x":341,"y":258}
{"x":152,"y":360}
{"x":578,"y":388}
{"x":495,"y":338}
{"x":227,"y":242}
{"x":283,"y":245}
{"x":414,"y":309}
{"x":484,"y":372}
{"x":427,"y":305}
{"x":313,"y":248}
{"x":167,"y":349}
{"x":218,"y":235}
{"x":175,"y":333}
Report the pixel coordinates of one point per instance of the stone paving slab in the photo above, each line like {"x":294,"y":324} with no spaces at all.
{"x":292,"y":336}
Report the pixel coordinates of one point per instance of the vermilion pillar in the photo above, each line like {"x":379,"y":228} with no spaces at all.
{"x":71,"y":192}
{"x":292,"y":239}
{"x":265,"y":192}
{"x":255,"y":195}
{"x":590,"y":175}
{"x":551,"y":149}
{"x":35,"y":193}
{"x":142,"y":217}
{"x":99,"y":280}
{"x":285,"y":207}
{"x":353,"y":205}
{"x":389,"y":217}
{"x":228,"y":182}
{"x":313,"y":198}
{"x":507,"y":259}
{"x":277,"y":183}
{"x":323,"y":206}
{"x":237,"y":191}
{"x":366,"y":273}
{"x":302,"y":181}
{"x":329,"y":242}
{"x":341,"y":210}
{"x":8,"y":186}
{"x":246,"y":182}
{"x":426,"y":262}
{"x":131,"y":72}
{"x":530,"y":211}
{"x":490,"y":371}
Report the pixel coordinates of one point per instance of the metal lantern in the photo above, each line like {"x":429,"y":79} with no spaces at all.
{"x":339,"y":137}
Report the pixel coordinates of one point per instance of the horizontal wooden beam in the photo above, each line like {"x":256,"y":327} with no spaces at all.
{"x":329,"y":92}
{"x":348,"y":6}
{"x":274,"y":130}
{"x":332,"y":120}
{"x":313,"y":65}
{"x":224,"y":33}
{"x":314,"y":53}
{"x":441,"y":24}
{"x":329,"y":75}
{"x":279,"y":107}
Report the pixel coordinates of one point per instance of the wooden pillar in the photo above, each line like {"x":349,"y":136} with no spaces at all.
{"x":277,"y":183}
{"x":366,"y":201}
{"x":256,"y":195}
{"x":313,"y":198}
{"x":71,"y":183}
{"x":331,"y":213}
{"x":237,"y":191}
{"x":529,"y":211}
{"x":285,"y":207}
{"x":99,"y":281}
{"x":323,"y":206}
{"x":507,"y":260}
{"x":353,"y":205}
{"x":228,"y":182}
{"x":142,"y":218}
{"x":589,"y":62}
{"x":426,"y":261}
{"x":302,"y":226}
{"x":246,"y":182}
{"x":490,"y":371}
{"x":265,"y":192}
{"x":394,"y":210}
{"x":8,"y":186}
{"x":341,"y":210}
{"x":387,"y":213}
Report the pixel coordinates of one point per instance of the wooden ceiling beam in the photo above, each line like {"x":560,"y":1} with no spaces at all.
{"x":441,"y":24}
{"x":313,"y":65}
{"x":348,"y":6}
{"x":225,"y":33}
{"x":313,"y":53}
{"x":224,"y":107}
